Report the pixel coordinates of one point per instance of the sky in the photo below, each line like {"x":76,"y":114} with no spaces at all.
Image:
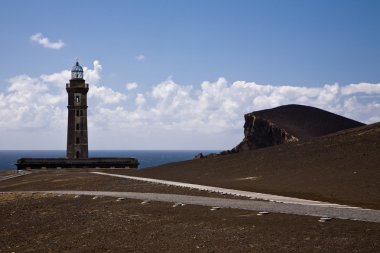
{"x":171,"y":74}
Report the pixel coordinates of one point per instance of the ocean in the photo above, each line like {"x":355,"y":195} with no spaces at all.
{"x":147,"y":158}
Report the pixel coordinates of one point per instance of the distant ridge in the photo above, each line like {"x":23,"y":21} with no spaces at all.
{"x":289,"y":123}
{"x":304,"y":121}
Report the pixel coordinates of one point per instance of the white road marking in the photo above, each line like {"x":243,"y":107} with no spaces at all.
{"x":252,"y":195}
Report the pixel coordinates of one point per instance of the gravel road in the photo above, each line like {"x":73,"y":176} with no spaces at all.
{"x":254,"y":205}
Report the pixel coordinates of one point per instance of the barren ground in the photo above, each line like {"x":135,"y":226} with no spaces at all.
{"x":48,"y":223}
{"x":342,"y":168}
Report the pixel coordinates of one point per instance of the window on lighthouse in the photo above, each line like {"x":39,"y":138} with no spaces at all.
{"x":76,"y":99}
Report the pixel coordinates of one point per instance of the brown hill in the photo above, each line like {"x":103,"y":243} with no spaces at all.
{"x":289,"y":123}
{"x":343,"y":167}
{"x":306,"y":121}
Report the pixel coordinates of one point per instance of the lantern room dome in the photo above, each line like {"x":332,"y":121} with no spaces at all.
{"x":77,"y":71}
{"x":77,"y":67}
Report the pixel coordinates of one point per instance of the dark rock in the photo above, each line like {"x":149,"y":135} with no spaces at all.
{"x":261,"y":133}
{"x":198,"y":156}
{"x":289,"y":123}
{"x":211,"y":155}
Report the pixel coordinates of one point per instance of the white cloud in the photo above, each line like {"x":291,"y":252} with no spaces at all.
{"x":28,"y":104}
{"x":105,"y":95}
{"x":217,"y":107}
{"x":39,"y":102}
{"x":140,"y":57}
{"x":367,"y":88}
{"x":131,"y":86}
{"x":140,"y":100}
{"x":100,"y":94}
{"x":92,"y":76}
{"x":58,"y":78}
{"x":211,"y":111}
{"x":45,"y":42}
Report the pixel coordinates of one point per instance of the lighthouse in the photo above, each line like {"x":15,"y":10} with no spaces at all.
{"x":77,"y":136}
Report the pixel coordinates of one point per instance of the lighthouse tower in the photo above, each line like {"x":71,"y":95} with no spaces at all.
{"x":77,"y":139}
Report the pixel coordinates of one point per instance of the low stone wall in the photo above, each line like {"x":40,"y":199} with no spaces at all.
{"x":60,"y":163}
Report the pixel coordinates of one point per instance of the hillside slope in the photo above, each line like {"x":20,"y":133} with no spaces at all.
{"x":343,"y":167}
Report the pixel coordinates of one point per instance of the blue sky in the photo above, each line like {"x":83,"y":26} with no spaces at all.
{"x":179,"y":45}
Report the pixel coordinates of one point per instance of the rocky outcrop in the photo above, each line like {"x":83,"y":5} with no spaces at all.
{"x":261,"y":133}
{"x":199,"y":156}
{"x":258,"y":133}
{"x":288,"y":123}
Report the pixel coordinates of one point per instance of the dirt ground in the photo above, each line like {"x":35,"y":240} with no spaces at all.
{"x":4,"y":173}
{"x":50,"y":223}
{"x":46,"y":180}
{"x":342,"y":168}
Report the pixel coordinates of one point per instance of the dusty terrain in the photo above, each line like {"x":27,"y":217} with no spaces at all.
{"x":48,"y":223}
{"x":50,"y":180}
{"x":340,"y":168}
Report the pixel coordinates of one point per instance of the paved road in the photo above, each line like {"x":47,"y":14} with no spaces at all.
{"x":251,"y":195}
{"x":254,"y":205}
